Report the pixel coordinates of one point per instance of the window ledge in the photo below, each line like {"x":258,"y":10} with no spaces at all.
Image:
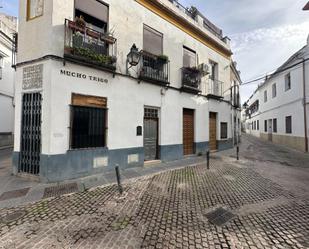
{"x":90,"y":148}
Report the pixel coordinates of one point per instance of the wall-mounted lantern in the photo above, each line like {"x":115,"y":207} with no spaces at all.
{"x":133,"y":57}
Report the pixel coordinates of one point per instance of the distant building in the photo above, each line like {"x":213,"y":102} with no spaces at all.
{"x":278,"y":110}
{"x":306,"y":6}
{"x":8,"y":26}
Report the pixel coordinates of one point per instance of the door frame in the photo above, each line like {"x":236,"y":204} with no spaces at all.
{"x":157,"y":128}
{"x":217,"y":129}
{"x":270,"y":129}
{"x":194,"y":122}
{"x":19,"y":172}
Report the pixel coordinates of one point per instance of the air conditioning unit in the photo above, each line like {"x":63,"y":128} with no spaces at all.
{"x":204,"y":68}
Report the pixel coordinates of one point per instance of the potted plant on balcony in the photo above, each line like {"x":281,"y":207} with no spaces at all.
{"x":162,"y":59}
{"x":77,"y":40}
{"x":80,"y":22}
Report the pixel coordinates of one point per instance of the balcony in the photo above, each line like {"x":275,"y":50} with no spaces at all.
{"x":154,"y":69}
{"x":213,"y":89}
{"x":89,"y":47}
{"x":191,"y":79}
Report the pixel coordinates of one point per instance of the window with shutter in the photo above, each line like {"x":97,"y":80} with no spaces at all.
{"x":152,"y":41}
{"x":288,"y":124}
{"x":94,"y":13}
{"x":288,"y":82}
{"x":189,"y":57}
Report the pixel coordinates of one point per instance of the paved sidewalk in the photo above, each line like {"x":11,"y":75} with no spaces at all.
{"x":11,"y":185}
{"x":260,"y":201}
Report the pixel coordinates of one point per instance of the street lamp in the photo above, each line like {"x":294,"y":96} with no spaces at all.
{"x":133,"y":57}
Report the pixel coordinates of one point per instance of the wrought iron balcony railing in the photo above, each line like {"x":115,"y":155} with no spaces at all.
{"x":213,"y":88}
{"x":88,"y":46}
{"x":155,"y":69}
{"x":191,"y":79}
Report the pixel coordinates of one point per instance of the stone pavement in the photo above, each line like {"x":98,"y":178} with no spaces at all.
{"x":35,"y":190}
{"x":174,"y":209}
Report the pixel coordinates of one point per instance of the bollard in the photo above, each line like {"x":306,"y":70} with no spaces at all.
{"x":207,"y":157}
{"x":237,"y":151}
{"x":118,"y":179}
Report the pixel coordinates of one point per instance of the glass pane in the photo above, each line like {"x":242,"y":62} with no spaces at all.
{"x":189,"y":58}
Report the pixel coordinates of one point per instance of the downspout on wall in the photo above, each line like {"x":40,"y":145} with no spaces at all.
{"x":305,"y":105}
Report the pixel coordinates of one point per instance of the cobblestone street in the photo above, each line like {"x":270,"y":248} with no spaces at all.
{"x":264,"y":197}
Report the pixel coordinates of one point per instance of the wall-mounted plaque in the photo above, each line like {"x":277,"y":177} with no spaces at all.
{"x":33,"y":77}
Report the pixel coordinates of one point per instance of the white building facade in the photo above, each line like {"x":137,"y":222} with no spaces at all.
{"x":8,"y":26}
{"x":83,"y":106}
{"x":278,"y":110}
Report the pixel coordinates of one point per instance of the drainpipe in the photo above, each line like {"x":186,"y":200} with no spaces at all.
{"x":305,"y":105}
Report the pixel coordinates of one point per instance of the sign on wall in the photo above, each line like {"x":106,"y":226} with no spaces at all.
{"x":33,"y":77}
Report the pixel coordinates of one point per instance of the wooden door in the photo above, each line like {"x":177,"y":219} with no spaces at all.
{"x":151,"y":138}
{"x":188,"y":132}
{"x":212,"y":131}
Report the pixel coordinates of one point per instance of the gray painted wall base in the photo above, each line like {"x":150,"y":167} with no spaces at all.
{"x":6,"y":139}
{"x":225,"y":144}
{"x":80,"y":163}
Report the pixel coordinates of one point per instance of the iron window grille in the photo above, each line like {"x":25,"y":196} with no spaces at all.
{"x":223,"y":130}
{"x":88,"y":127}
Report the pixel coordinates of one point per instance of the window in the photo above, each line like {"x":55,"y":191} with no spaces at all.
{"x":1,"y":66}
{"x":287,"y":82}
{"x":258,"y":125}
{"x":265,"y":96}
{"x":35,"y":8}
{"x":214,"y":70}
{"x":265,"y":125}
{"x":288,"y":124}
{"x":223,"y":130}
{"x":94,"y":13}
{"x":275,"y":125}
{"x":153,"y":41}
{"x":88,"y":122}
{"x":274,"y":90}
{"x":189,"y":57}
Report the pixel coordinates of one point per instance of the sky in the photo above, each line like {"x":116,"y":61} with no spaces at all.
{"x":264,"y":33}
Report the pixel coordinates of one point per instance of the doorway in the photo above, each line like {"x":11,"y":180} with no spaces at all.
{"x":213,"y":131}
{"x":30,"y":147}
{"x":188,"y":131}
{"x":270,"y":130}
{"x":151,"y":136}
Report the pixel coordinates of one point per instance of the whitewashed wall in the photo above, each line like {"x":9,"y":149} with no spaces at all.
{"x":7,"y":90}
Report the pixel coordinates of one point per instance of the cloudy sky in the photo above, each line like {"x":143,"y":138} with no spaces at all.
{"x":264,"y":33}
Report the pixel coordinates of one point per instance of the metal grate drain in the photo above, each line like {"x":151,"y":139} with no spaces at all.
{"x":219,"y":216}
{"x":60,"y":190}
{"x":14,"y":194}
{"x":13,"y":217}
